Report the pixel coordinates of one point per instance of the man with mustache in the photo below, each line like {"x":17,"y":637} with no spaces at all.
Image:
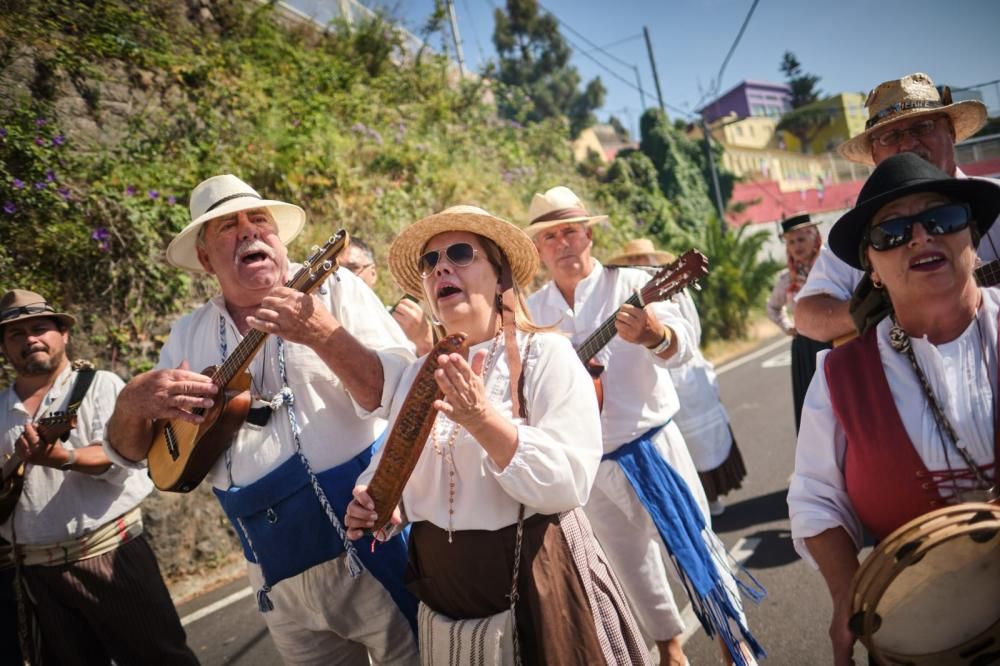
{"x":290,"y":470}
{"x":90,"y":586}
{"x":907,"y":115}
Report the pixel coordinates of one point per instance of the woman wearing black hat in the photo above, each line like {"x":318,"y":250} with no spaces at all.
{"x":802,"y":244}
{"x":901,"y":420}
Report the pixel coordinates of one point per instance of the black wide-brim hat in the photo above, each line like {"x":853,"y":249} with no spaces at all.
{"x":896,"y":177}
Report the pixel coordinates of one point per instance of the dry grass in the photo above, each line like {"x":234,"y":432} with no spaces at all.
{"x":722,"y":351}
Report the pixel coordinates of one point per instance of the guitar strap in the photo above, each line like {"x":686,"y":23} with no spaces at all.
{"x":85,"y":373}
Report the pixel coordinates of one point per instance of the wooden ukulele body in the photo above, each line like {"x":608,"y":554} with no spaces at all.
{"x":183,"y":453}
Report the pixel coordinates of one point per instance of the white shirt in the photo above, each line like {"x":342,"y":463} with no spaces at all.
{"x":963,"y":383}
{"x":778,"y":302}
{"x":702,"y":418}
{"x":558,"y":450}
{"x":638,"y":392}
{"x":331,"y":431}
{"x":57,"y":505}
{"x":830,"y":275}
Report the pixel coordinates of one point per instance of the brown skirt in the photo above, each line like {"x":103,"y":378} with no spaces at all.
{"x":727,"y":476}
{"x":561,"y":618}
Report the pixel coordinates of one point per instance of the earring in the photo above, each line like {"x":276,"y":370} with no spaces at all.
{"x":876,"y":282}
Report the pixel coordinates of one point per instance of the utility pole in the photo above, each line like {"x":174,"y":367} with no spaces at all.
{"x":715,"y":176}
{"x":652,"y":62}
{"x":642,"y":93}
{"x":457,"y":38}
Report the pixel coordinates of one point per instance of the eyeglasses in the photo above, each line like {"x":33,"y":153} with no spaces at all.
{"x":459,"y":254}
{"x":357,"y":268}
{"x":916,"y":130}
{"x":939,"y":221}
{"x":10,"y":313}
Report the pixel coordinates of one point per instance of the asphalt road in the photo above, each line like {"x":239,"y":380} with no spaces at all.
{"x":791,"y":622}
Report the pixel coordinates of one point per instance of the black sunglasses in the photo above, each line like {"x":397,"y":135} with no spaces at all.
{"x":939,"y":221}
{"x":10,"y":313}
{"x":459,"y":254}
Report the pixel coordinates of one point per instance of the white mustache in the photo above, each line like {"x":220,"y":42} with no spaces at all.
{"x":250,"y":246}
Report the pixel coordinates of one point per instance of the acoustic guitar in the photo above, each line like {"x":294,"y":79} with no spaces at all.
{"x":183,"y":453}
{"x":669,"y":280}
{"x":50,"y":428}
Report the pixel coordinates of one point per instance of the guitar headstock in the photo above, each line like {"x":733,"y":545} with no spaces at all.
{"x":56,"y":426}
{"x":320,"y":263}
{"x":672,"y":278}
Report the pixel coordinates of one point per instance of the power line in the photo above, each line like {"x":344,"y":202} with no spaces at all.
{"x":718,"y":79}
{"x":475,"y":33}
{"x":586,"y":41}
{"x":623,"y":40}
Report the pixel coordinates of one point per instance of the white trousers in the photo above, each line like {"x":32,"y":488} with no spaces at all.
{"x":632,"y":543}
{"x":323,"y":617}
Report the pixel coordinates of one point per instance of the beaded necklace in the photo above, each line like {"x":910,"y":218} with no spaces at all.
{"x":447,"y":451}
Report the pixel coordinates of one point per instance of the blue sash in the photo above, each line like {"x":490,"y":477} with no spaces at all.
{"x":678,"y":519}
{"x":284,"y":529}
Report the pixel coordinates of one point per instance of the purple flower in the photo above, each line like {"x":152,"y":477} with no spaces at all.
{"x":39,"y":141}
{"x":171,"y":200}
{"x":100,"y":234}
{"x":153,"y":194}
{"x":3,"y":132}
{"x":9,"y":207}
{"x":360,"y":128}
{"x":58,"y":140}
{"x":39,"y":122}
{"x":50,"y":176}
{"x":18,"y":184}
{"x":64,"y":193}
{"x":130,"y":190}
{"x":40,"y":185}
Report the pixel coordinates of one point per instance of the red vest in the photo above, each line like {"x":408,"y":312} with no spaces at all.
{"x":886,"y":479}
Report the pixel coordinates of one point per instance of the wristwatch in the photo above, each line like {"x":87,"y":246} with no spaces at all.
{"x":68,"y":465}
{"x":664,"y":343}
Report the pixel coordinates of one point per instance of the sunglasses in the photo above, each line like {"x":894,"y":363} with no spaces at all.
{"x":459,"y":254}
{"x":10,"y":313}
{"x":939,"y":221}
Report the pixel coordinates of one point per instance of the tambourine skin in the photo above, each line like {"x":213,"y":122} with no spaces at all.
{"x":929,"y":594}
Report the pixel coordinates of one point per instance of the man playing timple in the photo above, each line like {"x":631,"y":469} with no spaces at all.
{"x":290,"y":470}
{"x":89,"y":578}
{"x":906,"y":115}
{"x":639,"y":404}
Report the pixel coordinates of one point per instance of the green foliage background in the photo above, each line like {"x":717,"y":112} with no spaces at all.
{"x":341,"y":122}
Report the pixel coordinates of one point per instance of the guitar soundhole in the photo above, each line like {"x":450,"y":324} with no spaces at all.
{"x":171,"y":437}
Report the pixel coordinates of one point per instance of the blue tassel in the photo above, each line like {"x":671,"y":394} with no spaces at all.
{"x":263,"y":601}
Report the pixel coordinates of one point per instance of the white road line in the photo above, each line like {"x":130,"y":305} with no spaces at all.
{"x":740,"y":552}
{"x":751,"y":356}
{"x":211,"y":608}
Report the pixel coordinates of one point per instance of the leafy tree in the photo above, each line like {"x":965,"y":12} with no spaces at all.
{"x":534,"y":65}
{"x":682,"y":169}
{"x":806,"y":122}
{"x":803,"y":85}
{"x":619,"y":127}
{"x":631,"y":183}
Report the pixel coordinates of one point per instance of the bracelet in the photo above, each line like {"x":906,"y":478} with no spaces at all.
{"x":68,"y":465}
{"x":664,"y":344}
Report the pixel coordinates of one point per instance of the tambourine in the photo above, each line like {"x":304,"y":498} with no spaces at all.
{"x":930,"y":592}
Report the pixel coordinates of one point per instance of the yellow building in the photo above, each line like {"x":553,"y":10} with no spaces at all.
{"x":848,"y":117}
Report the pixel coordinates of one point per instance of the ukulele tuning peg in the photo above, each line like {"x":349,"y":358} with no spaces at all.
{"x":307,"y":264}
{"x":327,"y":265}
{"x":314,"y":249}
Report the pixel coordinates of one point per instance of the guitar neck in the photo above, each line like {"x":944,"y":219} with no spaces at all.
{"x":49,"y":429}
{"x":988,"y":275}
{"x":597,"y":340}
{"x":240,"y":359}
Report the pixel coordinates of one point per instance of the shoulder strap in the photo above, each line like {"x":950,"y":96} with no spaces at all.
{"x":84,"y":378}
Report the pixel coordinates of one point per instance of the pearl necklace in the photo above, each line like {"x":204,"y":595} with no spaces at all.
{"x":447,"y":451}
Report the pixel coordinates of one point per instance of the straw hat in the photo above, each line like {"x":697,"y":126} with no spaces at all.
{"x":20,"y":304}
{"x":224,"y":195}
{"x":797,"y":221}
{"x":558,"y":206}
{"x":641,"y":247}
{"x":896,"y":177}
{"x":404,"y":254}
{"x":910,"y":96}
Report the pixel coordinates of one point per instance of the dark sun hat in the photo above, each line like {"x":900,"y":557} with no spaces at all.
{"x":896,"y":177}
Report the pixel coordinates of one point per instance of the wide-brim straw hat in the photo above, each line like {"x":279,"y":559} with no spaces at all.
{"x":224,"y":195}
{"x":558,"y":205}
{"x":896,"y":177}
{"x":909,"y":97}
{"x":638,"y":248}
{"x":405,"y":251}
{"x":21,"y":304}
{"x":797,"y":221}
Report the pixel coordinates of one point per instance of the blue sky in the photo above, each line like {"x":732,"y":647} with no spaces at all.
{"x":851,"y":44}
